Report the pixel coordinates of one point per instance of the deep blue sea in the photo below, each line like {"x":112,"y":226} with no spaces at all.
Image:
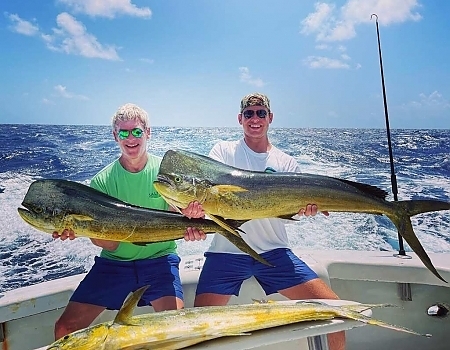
{"x":31,"y":152}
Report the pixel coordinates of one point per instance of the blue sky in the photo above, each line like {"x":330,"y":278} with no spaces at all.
{"x":188,"y":63}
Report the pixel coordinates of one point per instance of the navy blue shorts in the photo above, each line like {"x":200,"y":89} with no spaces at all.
{"x":224,"y":273}
{"x":109,"y":281}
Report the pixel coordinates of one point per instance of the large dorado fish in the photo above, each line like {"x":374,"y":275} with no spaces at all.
{"x":177,"y":329}
{"x":238,"y":194}
{"x":52,"y":205}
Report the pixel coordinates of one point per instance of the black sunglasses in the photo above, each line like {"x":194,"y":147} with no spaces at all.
{"x":261,"y":113}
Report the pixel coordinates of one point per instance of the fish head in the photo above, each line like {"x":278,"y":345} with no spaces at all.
{"x":181,"y":189}
{"x":92,"y":338}
{"x":47,"y":204}
{"x":185,"y":176}
{"x":39,"y":219}
{"x":196,"y":165}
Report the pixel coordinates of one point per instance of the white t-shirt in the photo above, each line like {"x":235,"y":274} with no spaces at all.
{"x":261,"y":234}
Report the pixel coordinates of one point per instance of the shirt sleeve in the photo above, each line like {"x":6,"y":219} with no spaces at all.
{"x":216,"y":153}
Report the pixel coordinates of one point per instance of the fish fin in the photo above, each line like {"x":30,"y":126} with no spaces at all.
{"x":234,"y":223}
{"x":232,"y":234}
{"x":357,"y":316}
{"x":366,"y":188}
{"x":401,"y":217}
{"x":221,"y":222}
{"x":419,"y":206}
{"x":126,"y":311}
{"x":227,"y":189}
{"x":79,"y":217}
{"x":242,"y":245}
{"x":365,"y":307}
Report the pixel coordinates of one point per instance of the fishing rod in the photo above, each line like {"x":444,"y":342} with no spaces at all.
{"x":401,"y":250}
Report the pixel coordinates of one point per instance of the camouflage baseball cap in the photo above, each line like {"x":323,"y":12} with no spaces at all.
{"x":255,"y":99}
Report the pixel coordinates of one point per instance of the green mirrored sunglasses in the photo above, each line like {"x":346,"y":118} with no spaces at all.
{"x":124,"y":134}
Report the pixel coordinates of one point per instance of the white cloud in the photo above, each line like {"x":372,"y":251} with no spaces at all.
{"x":325,"y":62}
{"x":62,"y":92}
{"x":246,"y":77}
{"x":316,"y":21}
{"x":71,"y":37}
{"x":323,"y":47}
{"x":432,"y":102}
{"x":388,"y":12}
{"x":107,"y":8}
{"x":329,"y":24}
{"x":21,"y":26}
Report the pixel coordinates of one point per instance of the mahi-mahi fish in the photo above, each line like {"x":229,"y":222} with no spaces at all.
{"x":228,"y":192}
{"x":177,"y":329}
{"x":54,"y":204}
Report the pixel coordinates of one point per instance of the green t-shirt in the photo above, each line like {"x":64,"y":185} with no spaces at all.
{"x":137,"y":189}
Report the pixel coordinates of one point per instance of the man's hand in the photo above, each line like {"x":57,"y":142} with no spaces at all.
{"x":102,"y":243}
{"x":67,"y":233}
{"x":194,"y":210}
{"x":194,"y":234}
{"x":310,"y":210}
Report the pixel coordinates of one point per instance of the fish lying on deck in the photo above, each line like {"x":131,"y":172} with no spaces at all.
{"x":53,"y":205}
{"x":229,"y":192}
{"x":177,"y":329}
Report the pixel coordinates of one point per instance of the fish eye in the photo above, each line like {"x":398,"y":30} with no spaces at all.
{"x":38,"y":210}
{"x":177,"y":179}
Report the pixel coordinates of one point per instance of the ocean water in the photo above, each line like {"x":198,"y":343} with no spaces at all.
{"x":31,"y":152}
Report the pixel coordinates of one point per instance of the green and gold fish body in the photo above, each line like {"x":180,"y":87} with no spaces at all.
{"x":229,"y":192}
{"x":177,"y":329}
{"x":52,"y":205}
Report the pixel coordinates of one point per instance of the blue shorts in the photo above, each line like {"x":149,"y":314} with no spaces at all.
{"x":224,"y":273}
{"x":110,"y":281}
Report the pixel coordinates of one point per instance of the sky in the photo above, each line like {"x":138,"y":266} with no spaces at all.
{"x":189,"y":63}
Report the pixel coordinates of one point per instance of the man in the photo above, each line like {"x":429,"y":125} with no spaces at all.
{"x":225,"y":266}
{"x":124,"y":267}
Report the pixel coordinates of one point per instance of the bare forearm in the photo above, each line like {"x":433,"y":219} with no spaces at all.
{"x":105,"y":244}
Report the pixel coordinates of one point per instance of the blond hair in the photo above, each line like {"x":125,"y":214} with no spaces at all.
{"x":130,"y":111}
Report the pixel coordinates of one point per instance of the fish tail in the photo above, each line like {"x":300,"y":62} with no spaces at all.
{"x":403,"y":210}
{"x":353,"y":312}
{"x":414,"y":207}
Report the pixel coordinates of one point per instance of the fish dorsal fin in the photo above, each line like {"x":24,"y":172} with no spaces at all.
{"x":126,"y":311}
{"x":369,"y":189}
